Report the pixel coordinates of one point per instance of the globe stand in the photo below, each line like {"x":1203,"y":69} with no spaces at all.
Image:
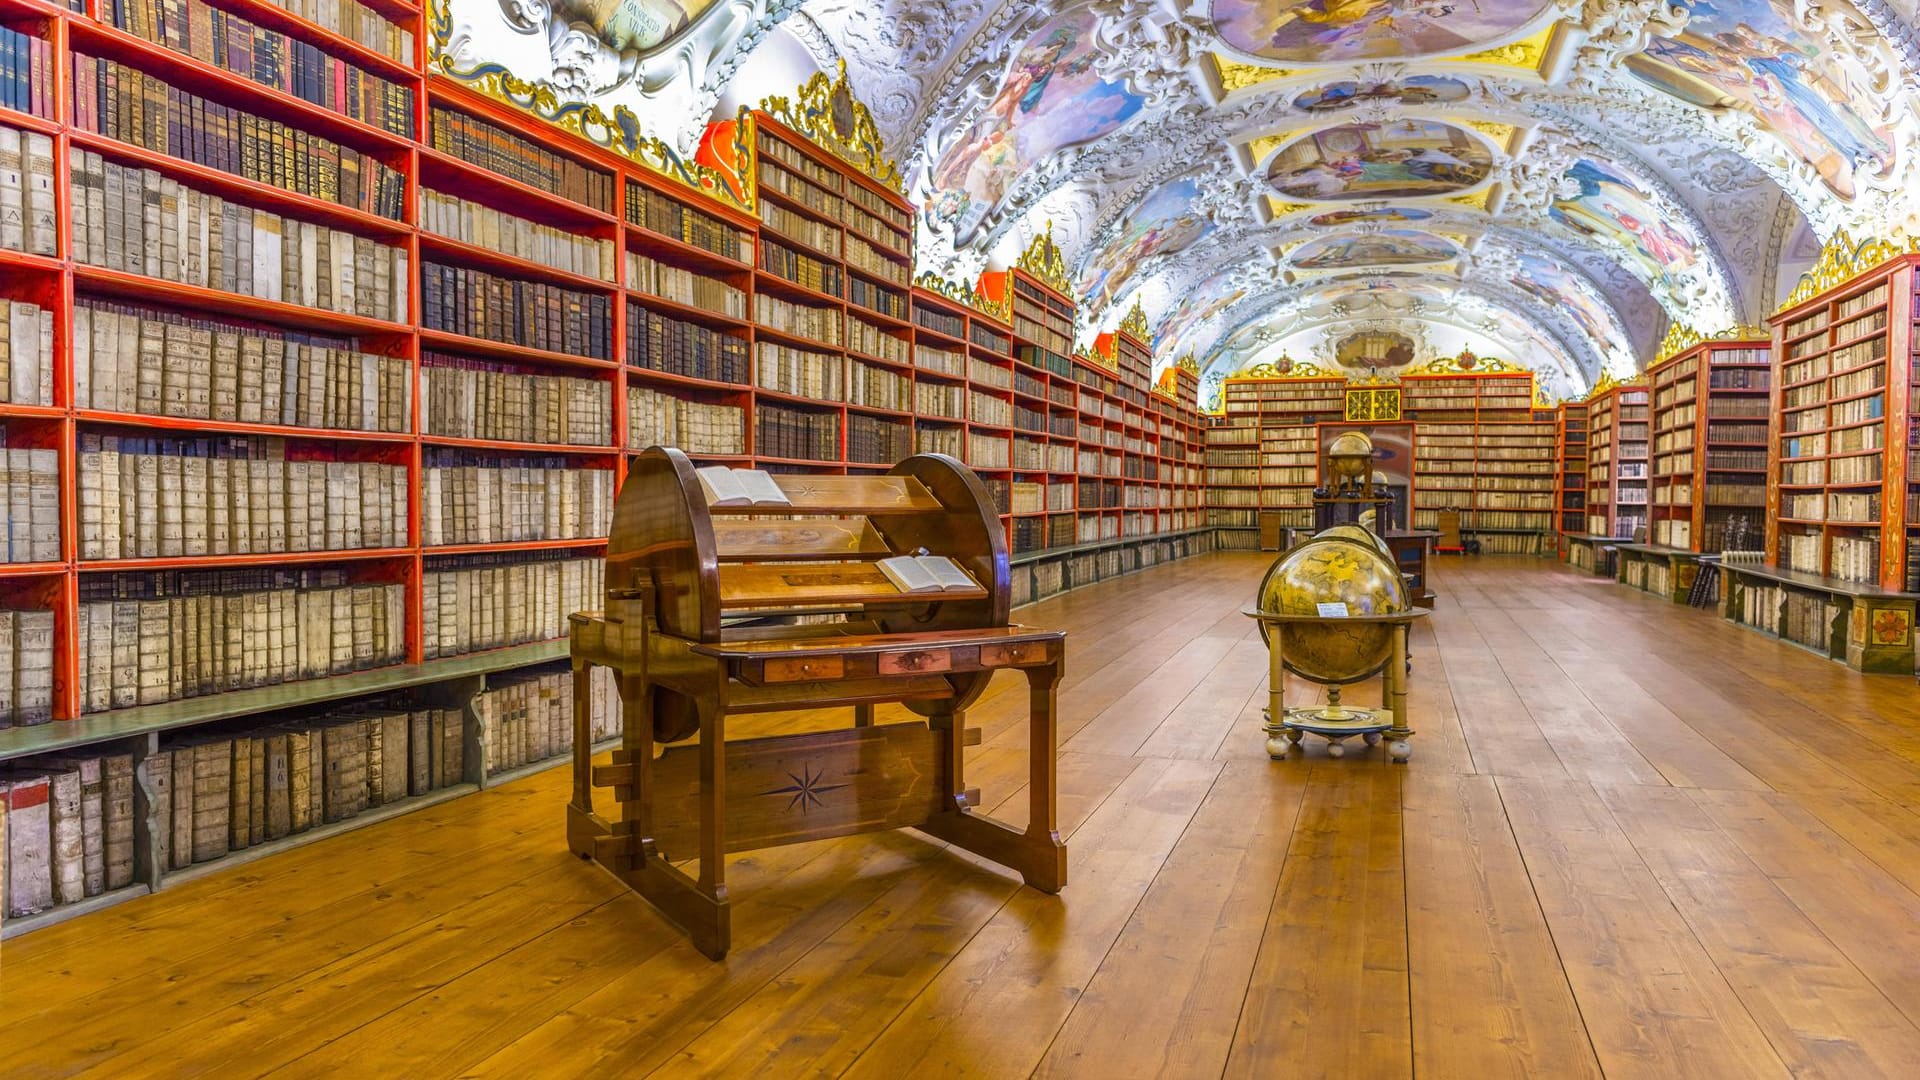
{"x":1336,"y":721}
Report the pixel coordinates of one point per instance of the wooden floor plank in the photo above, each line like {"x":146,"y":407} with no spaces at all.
{"x":1488,"y":996}
{"x":1329,"y":990}
{"x":1652,"y":1000}
{"x":1166,"y":998}
{"x":995,"y":1008}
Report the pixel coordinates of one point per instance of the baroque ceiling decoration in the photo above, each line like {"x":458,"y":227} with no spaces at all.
{"x":1556,"y":181}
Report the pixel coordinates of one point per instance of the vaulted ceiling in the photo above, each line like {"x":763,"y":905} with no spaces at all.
{"x":1553,"y":184}
{"x":1548,"y":183}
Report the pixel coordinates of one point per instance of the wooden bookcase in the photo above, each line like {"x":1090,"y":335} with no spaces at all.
{"x":1842,"y":484}
{"x":1708,"y":469}
{"x":1482,"y":448}
{"x":1570,"y":429}
{"x":1617,"y":442}
{"x":670,"y":294}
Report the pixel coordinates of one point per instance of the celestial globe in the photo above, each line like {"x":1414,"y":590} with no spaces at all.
{"x":1328,"y":570}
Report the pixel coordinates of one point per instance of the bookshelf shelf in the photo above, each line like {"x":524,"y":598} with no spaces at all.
{"x":442,"y":249}
{"x":119,"y":284}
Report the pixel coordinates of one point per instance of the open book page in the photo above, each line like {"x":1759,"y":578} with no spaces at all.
{"x":761,"y":488}
{"x":926,"y":573}
{"x":721,"y":486}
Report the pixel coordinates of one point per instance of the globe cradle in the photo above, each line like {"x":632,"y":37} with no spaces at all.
{"x":1326,"y":570}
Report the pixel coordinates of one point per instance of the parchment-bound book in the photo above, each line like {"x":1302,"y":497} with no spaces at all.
{"x":279,"y":794}
{"x":92,"y":810}
{"x":346,"y":769}
{"x":376,"y":760}
{"x":394,"y":764}
{"x":118,"y":776}
{"x":159,"y":781}
{"x":13,"y":190}
{"x":419,"y":749}
{"x":239,"y":792}
{"x":69,"y":836}
{"x":29,"y":842}
{"x":256,"y":789}
{"x":316,"y":777}
{"x":212,"y":770}
{"x":37,"y":154}
{"x":33,"y":667}
{"x":299,"y":780}
{"x":180,"y":846}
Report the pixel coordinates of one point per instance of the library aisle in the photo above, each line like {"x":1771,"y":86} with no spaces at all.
{"x":1636,"y":840}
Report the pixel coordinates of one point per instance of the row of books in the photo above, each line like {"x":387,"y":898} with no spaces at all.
{"x":657,"y":418}
{"x":460,"y":300}
{"x":682,"y":286}
{"x":127,"y":104}
{"x":349,"y":19}
{"x":820,"y":376}
{"x":813,"y":273}
{"x":864,"y":337}
{"x":468,"y":498}
{"x":528,"y":716}
{"x":798,"y":434}
{"x":878,"y":440}
{"x":814,"y":323}
{"x":187,"y":497}
{"x":26,"y":667}
{"x":866,"y":294}
{"x":878,"y":387}
{"x":947,"y":400}
{"x":26,"y":72}
{"x":500,"y":150}
{"x":148,"y":638}
{"x":26,"y":353}
{"x":689,"y":349}
{"x":667,"y":216}
{"x":469,"y":399}
{"x":68,"y":830}
{"x":140,"y":221}
{"x":482,"y":226}
{"x":810,"y":232}
{"x":487,"y":602}
{"x":30,"y":479}
{"x":222,"y":791}
{"x":221,"y":39}
{"x":26,"y":192}
{"x":134,"y":359}
{"x":864,"y":256}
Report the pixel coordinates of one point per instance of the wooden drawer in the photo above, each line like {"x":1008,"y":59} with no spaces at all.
{"x":808,"y":669}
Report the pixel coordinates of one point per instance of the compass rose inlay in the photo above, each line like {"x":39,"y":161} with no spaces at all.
{"x":806,"y":790}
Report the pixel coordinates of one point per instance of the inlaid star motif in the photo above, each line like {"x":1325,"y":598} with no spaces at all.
{"x":806,"y":789}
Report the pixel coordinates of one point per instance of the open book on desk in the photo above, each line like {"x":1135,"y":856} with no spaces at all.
{"x":926,"y":574}
{"x":740,"y":487}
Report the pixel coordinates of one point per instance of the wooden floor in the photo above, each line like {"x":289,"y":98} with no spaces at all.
{"x":1634,"y":841}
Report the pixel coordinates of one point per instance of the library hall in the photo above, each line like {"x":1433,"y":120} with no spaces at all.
{"x":1271,"y":539}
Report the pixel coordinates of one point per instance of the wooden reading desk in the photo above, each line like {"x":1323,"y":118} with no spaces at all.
{"x":683,"y":790}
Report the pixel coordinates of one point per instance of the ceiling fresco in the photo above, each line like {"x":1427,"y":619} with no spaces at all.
{"x":1561,"y":180}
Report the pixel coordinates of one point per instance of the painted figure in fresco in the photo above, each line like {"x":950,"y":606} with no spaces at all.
{"x":1772,"y":72}
{"x":1608,"y":204}
{"x":596,"y":45}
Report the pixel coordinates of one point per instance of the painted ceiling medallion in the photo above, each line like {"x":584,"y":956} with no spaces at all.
{"x":1389,"y":247}
{"x":1343,"y":31}
{"x":1401,"y":159}
{"x":1385,"y":214}
{"x":1415,"y":91}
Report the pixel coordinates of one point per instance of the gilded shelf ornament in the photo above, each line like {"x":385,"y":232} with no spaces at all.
{"x":1134,"y":325}
{"x":1373,"y":403}
{"x":1099,"y":359}
{"x":1286,"y":368}
{"x":825,"y":111}
{"x":1468,"y":360}
{"x":960,"y":294}
{"x":1188,"y":363}
{"x":1235,"y":75}
{"x":1842,"y":259}
{"x":619,"y":133}
{"x":1679,"y":339}
{"x":1044,"y":261}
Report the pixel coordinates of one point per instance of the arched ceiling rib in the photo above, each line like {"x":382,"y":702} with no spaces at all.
{"x":1590,"y":169}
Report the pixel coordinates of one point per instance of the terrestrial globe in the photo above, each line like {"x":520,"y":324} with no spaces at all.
{"x":1359,"y":534}
{"x":1326,"y":570}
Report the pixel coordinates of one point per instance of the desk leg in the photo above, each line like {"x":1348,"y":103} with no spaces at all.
{"x":863,"y":716}
{"x":1396,"y":686}
{"x":1049,"y":874}
{"x":583,"y":736}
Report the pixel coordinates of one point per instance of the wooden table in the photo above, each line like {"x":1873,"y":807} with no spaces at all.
{"x":1410,"y":548}
{"x":1590,"y":553}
